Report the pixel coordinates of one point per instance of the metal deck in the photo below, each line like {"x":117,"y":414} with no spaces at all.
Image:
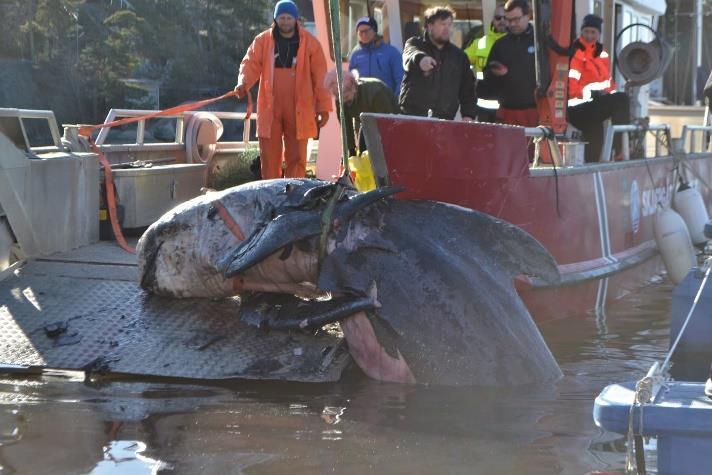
{"x":83,"y":310}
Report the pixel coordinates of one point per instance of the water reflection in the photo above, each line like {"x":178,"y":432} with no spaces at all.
{"x":124,"y":457}
{"x":59,"y":424}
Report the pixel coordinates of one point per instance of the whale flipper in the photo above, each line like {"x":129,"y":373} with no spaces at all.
{"x":448,"y":293}
{"x":291,"y":227}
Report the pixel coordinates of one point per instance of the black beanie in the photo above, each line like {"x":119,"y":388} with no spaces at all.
{"x":592,"y":21}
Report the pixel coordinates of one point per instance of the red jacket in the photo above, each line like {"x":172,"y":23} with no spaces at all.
{"x":312,"y":96}
{"x":589,"y":70}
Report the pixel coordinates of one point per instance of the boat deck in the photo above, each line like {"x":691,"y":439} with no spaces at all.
{"x":680,"y":416}
{"x":83,"y":310}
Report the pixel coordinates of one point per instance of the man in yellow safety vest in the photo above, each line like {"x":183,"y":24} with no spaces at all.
{"x":479,"y":50}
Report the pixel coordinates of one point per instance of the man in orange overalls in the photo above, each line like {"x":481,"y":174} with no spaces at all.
{"x":292,"y":102}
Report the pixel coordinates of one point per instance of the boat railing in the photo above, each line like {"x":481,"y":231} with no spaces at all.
{"x":181,"y":120}
{"x":16,"y":123}
{"x":696,"y":138}
{"x":661,"y":133}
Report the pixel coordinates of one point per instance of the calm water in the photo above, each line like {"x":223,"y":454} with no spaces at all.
{"x":59,"y":424}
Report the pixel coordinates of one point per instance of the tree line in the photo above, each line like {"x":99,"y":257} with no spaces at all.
{"x":89,"y":47}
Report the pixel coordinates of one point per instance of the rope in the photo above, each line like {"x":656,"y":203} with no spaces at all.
{"x":341,"y":184}
{"x":550,"y":139}
{"x":643,"y":394}
{"x":707,"y":266}
{"x":645,"y":389}
{"x":334,"y":15}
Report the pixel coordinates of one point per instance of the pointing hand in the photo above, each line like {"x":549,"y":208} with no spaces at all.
{"x":427,"y":64}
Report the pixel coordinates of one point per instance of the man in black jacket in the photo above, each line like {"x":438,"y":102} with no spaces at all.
{"x":510,"y":74}
{"x":438,"y":79}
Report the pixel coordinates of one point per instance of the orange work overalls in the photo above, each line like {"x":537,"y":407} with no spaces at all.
{"x":284,"y":127}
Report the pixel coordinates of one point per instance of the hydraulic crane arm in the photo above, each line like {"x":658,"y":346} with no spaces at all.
{"x":553,"y":36}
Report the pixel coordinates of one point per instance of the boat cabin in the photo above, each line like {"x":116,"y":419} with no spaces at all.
{"x":400,"y":19}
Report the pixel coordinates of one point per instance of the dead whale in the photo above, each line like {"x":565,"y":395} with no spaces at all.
{"x":423,"y":290}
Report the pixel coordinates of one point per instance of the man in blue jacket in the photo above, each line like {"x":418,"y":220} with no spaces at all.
{"x":374,"y":58}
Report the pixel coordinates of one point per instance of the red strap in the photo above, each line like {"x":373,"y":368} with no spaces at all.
{"x":227,"y":219}
{"x":86,"y":130}
{"x":111,"y":199}
{"x":238,"y":284}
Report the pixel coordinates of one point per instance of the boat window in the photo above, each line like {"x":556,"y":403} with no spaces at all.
{"x":350,"y":11}
{"x":12,"y":129}
{"x":38,"y":132}
{"x":467,"y":24}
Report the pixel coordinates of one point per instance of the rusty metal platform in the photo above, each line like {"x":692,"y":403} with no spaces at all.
{"x":83,"y":310}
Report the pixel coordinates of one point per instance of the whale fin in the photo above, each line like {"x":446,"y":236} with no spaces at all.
{"x":448,"y":294}
{"x":293,"y":226}
{"x":270,"y":311}
{"x":299,"y":198}
{"x":518,"y":251}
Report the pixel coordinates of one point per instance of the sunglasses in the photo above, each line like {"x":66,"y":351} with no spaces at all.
{"x":499,"y":17}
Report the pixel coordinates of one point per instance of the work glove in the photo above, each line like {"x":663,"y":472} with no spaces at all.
{"x":240,"y":91}
{"x":321,"y":119}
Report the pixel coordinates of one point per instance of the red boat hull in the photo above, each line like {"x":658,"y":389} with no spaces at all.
{"x":596,"y":219}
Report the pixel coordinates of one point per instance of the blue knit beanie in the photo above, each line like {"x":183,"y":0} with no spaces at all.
{"x":286,"y":6}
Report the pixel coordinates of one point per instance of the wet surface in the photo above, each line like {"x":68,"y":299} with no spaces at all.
{"x":60,"y":424}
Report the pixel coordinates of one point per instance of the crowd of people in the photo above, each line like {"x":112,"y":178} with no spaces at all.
{"x":431,"y":78}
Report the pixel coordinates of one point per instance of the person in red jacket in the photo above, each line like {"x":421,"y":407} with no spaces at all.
{"x":292,"y":102}
{"x":592,"y":94}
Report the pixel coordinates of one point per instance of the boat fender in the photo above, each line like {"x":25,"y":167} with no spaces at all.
{"x":708,"y":229}
{"x":674,"y":244}
{"x":689,"y":204}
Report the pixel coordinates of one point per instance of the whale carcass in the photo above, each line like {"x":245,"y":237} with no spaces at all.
{"x":423,"y":290}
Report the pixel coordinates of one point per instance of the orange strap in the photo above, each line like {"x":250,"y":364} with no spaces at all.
{"x":227,"y":219}
{"x":110,"y":196}
{"x":111,"y":199}
{"x":86,"y":130}
{"x":238,"y":283}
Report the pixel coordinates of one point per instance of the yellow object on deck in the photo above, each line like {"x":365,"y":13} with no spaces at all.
{"x":361,"y":168}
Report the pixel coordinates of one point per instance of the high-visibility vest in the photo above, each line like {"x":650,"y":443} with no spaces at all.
{"x":479,"y":50}
{"x":589,"y":70}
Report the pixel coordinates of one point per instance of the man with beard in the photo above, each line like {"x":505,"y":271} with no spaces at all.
{"x":438,"y":79}
{"x":480,"y":49}
{"x":478,"y":52}
{"x":292,"y":101}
